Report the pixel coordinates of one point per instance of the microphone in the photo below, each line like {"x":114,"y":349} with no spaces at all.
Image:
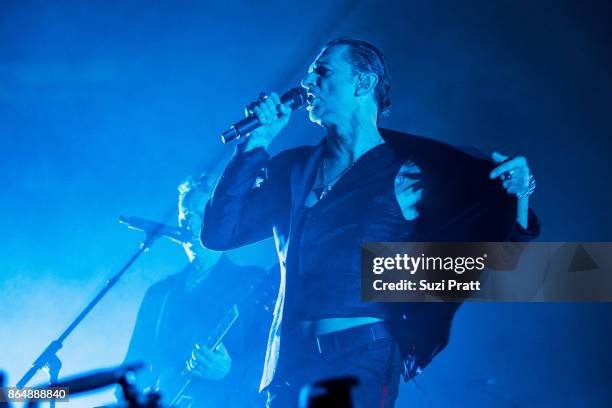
{"x":180,"y":235}
{"x":295,"y":98}
{"x":97,"y":379}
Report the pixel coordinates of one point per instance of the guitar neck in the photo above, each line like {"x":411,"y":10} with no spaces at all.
{"x":223,"y":327}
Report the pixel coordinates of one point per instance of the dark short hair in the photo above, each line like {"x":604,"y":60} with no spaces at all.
{"x":366,"y":58}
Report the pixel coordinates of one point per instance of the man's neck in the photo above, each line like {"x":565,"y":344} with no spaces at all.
{"x":346,"y":143}
{"x":201,"y":267}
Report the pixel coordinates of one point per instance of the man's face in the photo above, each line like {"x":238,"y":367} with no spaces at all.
{"x":191,"y":214}
{"x":330,"y":83}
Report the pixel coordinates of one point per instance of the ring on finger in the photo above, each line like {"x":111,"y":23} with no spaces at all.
{"x":530,"y":188}
{"x":192,"y":363}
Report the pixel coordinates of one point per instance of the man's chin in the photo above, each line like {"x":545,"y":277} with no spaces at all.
{"x":314,"y":117}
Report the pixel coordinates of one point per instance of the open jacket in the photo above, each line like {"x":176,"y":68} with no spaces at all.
{"x":258,"y":196}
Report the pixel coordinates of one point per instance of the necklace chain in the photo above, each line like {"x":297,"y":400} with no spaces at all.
{"x":326,"y":187}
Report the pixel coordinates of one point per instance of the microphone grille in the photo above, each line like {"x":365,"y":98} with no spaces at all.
{"x":295,"y":97}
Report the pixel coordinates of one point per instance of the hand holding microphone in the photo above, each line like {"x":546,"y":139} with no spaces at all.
{"x":273,"y":116}
{"x":265,"y":118}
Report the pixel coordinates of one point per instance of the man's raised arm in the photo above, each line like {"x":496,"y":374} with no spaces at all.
{"x":252,"y":194}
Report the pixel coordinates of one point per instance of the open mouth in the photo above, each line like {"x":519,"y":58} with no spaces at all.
{"x":313,"y":99}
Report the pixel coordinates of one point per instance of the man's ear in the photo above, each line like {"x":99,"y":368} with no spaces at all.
{"x":366,"y":82}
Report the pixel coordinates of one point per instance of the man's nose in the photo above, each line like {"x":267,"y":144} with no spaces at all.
{"x":307,"y":81}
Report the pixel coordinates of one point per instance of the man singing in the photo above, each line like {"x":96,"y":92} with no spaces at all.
{"x":360,"y":184}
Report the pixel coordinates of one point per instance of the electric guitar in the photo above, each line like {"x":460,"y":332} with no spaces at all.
{"x":182,"y":389}
{"x":179,"y":389}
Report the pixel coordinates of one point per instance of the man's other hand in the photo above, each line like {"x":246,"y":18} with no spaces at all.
{"x":516,"y":179}
{"x":209,"y":364}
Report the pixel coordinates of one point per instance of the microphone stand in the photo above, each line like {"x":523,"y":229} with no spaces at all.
{"x":48,"y":358}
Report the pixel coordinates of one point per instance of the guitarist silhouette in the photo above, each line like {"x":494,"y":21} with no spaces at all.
{"x":202,"y":332}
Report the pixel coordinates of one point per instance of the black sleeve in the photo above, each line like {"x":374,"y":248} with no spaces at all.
{"x":507,"y":256}
{"x":520,"y":234}
{"x":250,"y":198}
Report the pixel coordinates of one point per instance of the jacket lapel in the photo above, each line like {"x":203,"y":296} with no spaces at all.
{"x":302,"y":178}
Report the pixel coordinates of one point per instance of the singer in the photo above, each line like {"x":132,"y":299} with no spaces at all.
{"x":361,"y":183}
{"x":180,"y":313}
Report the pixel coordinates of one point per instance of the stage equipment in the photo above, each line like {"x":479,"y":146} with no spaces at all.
{"x":48,"y":358}
{"x":104,"y":378}
{"x":177,"y":234}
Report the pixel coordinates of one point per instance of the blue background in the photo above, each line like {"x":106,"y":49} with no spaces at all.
{"x":106,"y":106}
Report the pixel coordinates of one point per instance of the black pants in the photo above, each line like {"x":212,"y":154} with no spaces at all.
{"x":377,"y":367}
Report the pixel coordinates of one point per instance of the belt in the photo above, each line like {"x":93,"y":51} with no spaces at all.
{"x":352,"y":338}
